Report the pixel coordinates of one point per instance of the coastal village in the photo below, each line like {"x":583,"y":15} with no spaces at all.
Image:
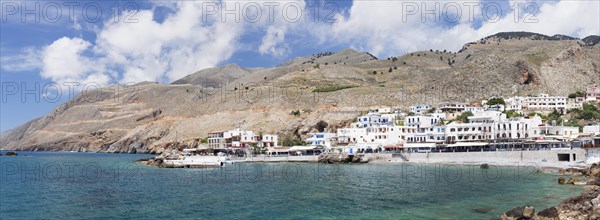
{"x":513,"y":124}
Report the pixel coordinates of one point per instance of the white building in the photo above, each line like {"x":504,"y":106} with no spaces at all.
{"x":374,"y":119}
{"x":563,"y":132}
{"x":240,"y":139}
{"x":321,"y":139}
{"x":473,"y":109}
{"x":593,"y":94}
{"x":352,"y":135}
{"x":462,"y":132}
{"x":514,"y":104}
{"x":420,"y":108}
{"x":423,"y":121}
{"x":487,"y":117}
{"x":545,"y":103}
{"x":594,"y":129}
{"x":452,"y":107}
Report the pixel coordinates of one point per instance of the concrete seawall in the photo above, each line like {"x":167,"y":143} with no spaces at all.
{"x":538,"y":158}
{"x":311,"y":158}
{"x":541,"y":158}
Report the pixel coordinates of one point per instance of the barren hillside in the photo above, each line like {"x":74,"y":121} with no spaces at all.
{"x":329,"y":87}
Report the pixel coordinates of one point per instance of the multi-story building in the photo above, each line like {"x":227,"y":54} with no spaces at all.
{"x":351,"y":135}
{"x":514,"y":104}
{"x":463,"y":132}
{"x":423,"y":121}
{"x":563,"y":132}
{"x":593,"y":94}
{"x":452,"y":107}
{"x":321,"y":139}
{"x":374,"y":119}
{"x":420,"y":108}
{"x":240,"y":139}
{"x":545,"y":103}
{"x":473,"y":109}
{"x":593,"y":129}
{"x":487,"y":117}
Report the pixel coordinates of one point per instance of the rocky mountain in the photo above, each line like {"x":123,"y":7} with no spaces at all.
{"x":327,"y":89}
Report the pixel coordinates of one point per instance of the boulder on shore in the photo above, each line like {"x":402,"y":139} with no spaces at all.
{"x":561,"y":180}
{"x":549,"y":214}
{"x":584,"y":206}
{"x":575,"y":181}
{"x":521,"y":212}
{"x":484,"y":166}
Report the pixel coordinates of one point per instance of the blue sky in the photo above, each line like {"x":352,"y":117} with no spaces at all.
{"x":163,"y":41}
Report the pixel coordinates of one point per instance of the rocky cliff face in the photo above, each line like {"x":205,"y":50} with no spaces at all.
{"x":329,"y":87}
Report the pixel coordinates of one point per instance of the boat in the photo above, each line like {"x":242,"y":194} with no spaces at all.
{"x":190,"y":159}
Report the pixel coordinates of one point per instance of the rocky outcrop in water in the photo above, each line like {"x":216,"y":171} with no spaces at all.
{"x":342,"y":158}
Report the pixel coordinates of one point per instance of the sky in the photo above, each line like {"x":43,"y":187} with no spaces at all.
{"x":52,"y":50}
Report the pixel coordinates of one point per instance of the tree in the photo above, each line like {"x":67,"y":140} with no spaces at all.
{"x":291,"y":140}
{"x":495,"y":101}
{"x":589,"y":112}
{"x":295,"y":113}
{"x":576,"y":94}
{"x":390,"y":70}
{"x":512,"y":114}
{"x":554,"y":116}
{"x":464,"y":117}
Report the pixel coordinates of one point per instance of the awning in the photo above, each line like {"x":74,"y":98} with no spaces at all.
{"x":547,"y":141}
{"x":417,"y":145}
{"x":468,"y":144}
{"x":301,"y":148}
{"x":278,"y":150}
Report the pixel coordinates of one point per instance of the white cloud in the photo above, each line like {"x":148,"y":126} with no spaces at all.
{"x":182,"y":42}
{"x":381,"y":28}
{"x":273,"y":42}
{"x":26,"y":60}
{"x":142,"y":51}
{"x":63,"y":60}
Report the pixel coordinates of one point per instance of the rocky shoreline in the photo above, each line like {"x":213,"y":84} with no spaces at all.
{"x":342,"y":158}
{"x":585,"y":206}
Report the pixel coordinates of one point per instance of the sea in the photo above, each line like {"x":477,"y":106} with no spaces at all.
{"x":64,"y":185}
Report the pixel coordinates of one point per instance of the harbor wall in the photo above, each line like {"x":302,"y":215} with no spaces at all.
{"x":538,"y":158}
{"x":309,"y":158}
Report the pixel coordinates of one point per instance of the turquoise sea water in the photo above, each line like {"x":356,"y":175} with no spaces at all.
{"x":38,"y":185}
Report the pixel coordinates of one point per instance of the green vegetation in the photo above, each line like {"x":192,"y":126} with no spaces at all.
{"x":295,"y":113}
{"x":464,"y":117}
{"x":589,"y":112}
{"x":204,"y":140}
{"x":512,"y":114}
{"x":289,"y":140}
{"x":537,"y":58}
{"x":576,"y":94}
{"x":441,"y":122}
{"x":496,"y":101}
{"x":400,"y":123}
{"x":332,"y":88}
{"x":553,"y":116}
{"x":411,"y":114}
{"x":573,"y":124}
